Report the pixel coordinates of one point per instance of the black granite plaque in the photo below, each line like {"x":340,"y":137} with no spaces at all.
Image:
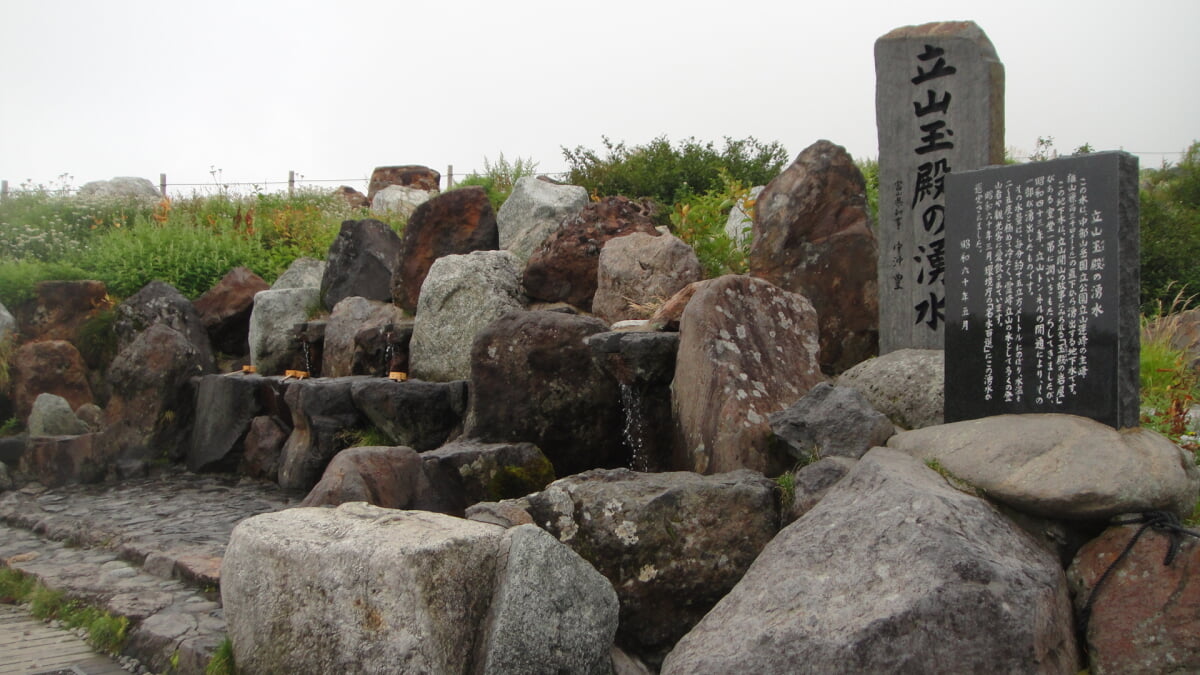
{"x":1042,"y":289}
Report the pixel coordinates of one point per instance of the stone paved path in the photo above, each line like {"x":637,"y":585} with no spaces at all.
{"x":148,"y":549}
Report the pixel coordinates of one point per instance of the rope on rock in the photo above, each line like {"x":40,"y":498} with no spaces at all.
{"x":1162,"y":521}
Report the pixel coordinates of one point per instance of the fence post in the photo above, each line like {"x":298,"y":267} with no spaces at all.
{"x":291,"y":183}
{"x":162,"y":184}
{"x":3,"y":190}
{"x":449,"y":176}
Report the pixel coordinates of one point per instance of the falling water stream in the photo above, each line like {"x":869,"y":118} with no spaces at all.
{"x":307,"y":356}
{"x":635,"y":428}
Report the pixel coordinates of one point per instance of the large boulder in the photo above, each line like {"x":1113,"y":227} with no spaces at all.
{"x":158,"y":303}
{"x":398,"y":201}
{"x":322,"y":414}
{"x":409,"y":591}
{"x":491,"y":471}
{"x":350,"y":317}
{"x":746,"y":349}
{"x":907,"y":385}
{"x":533,"y":379}
{"x":52,"y":416}
{"x":59,"y":309}
{"x":810,"y":483}
{"x":263,"y":447}
{"x":50,"y":367}
{"x":563,"y":268}
{"x":1061,"y":466}
{"x":893,"y":571}
{"x":672,"y":544}
{"x":390,"y":477}
{"x":533,"y":211}
{"x":830,"y":421}
{"x":275,"y":314}
{"x":408,"y":175}
{"x":152,"y":406}
{"x":302,"y":273}
{"x":417,"y":414}
{"x":812,"y":236}
{"x":121,"y":187}
{"x":225,"y":310}
{"x":461,"y":295}
{"x":225,"y":407}
{"x":638,"y":272}
{"x":457,"y":222}
{"x":1143,"y":618}
{"x":360,"y":263}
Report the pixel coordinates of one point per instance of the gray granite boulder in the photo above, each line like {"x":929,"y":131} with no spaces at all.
{"x":350,"y":317}
{"x":746,"y":349}
{"x":121,"y":187}
{"x":275,"y":314}
{"x":907,"y":385}
{"x":361,"y":262}
{"x":1061,"y":466}
{"x":52,"y":416}
{"x":417,"y":414}
{"x":638,"y":272}
{"x":533,"y":211}
{"x":830,"y":421}
{"x":302,"y":273}
{"x":810,"y":484}
{"x":461,"y":295}
{"x":226,"y":405}
{"x":399,"y":201}
{"x":894,"y":571}
{"x":672,"y":544}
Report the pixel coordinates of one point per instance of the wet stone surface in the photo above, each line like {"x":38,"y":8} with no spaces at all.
{"x":147,"y":549}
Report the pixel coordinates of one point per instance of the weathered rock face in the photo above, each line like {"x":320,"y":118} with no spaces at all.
{"x":461,"y":295}
{"x":533,"y":211}
{"x":59,"y":308}
{"x":1061,"y":466}
{"x":410,"y":175}
{"x":830,"y":422}
{"x":50,"y":367}
{"x":491,"y":471}
{"x":392,"y":478}
{"x":263,"y":447}
{"x":533,"y":379}
{"x":527,"y":629}
{"x":397,"y":201}
{"x":348,"y":318}
{"x":158,"y":303}
{"x":64,"y":460}
{"x":894,"y":571}
{"x":409,"y":591}
{"x":360,"y":263}
{"x":52,"y":416}
{"x":275,"y":313}
{"x":225,"y":407}
{"x":121,"y":187}
{"x":1143,"y":617}
{"x":457,"y":222}
{"x":153,"y":400}
{"x":672,"y":544}
{"x":638,"y":272}
{"x":379,"y":350}
{"x":420,"y":415}
{"x":811,"y":482}
{"x":225,"y":310}
{"x":563,"y":268}
{"x":812,"y":237}
{"x":746,"y":350}
{"x":907,"y":385}
{"x":643,"y":363}
{"x":354,"y":198}
{"x":321,"y":411}
{"x":302,"y":273}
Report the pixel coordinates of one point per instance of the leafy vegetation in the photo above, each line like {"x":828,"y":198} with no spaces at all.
{"x":105,"y":632}
{"x":221,"y":662}
{"x":1170,"y":229}
{"x":700,"y":222}
{"x":499,"y":179}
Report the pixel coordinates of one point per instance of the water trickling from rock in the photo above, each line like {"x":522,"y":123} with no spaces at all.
{"x":635,"y":432}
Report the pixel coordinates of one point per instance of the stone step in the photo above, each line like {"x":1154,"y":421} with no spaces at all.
{"x":147,"y":549}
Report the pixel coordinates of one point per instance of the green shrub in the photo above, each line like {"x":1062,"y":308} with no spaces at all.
{"x":19,"y":278}
{"x":700,"y":222}
{"x":1170,"y":229}
{"x":499,"y":179}
{"x":1169,"y":384}
{"x":670,"y":174}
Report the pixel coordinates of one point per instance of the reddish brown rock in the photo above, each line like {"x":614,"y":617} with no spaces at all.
{"x":459,"y":221}
{"x":225,"y":310}
{"x":263,"y":447}
{"x":413,"y":175}
{"x":564,"y":268}
{"x":394,"y":478}
{"x":50,"y":367}
{"x":63,"y":460}
{"x":59,"y":309}
{"x":354,"y":198}
{"x":666,"y":317}
{"x":746,"y":349}
{"x":1146,"y":616}
{"x":638,"y":272}
{"x":812,"y":236}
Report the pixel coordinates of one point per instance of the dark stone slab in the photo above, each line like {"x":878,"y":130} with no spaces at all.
{"x":1042,"y":289}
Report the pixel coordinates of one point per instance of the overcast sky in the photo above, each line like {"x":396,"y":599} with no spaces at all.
{"x":331,"y":90}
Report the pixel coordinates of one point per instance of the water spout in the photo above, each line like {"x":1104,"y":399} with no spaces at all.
{"x":635,"y":432}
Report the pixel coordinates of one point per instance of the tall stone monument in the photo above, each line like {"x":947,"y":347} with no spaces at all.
{"x":1042,"y":286}
{"x":939,"y":106}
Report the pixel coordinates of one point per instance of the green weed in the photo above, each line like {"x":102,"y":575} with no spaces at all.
{"x":106,"y":632}
{"x":221,"y":662}
{"x":700,"y":222}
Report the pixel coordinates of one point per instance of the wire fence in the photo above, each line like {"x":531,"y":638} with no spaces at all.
{"x":218,"y":185}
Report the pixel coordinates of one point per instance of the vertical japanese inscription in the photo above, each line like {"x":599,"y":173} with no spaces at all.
{"x":1043,"y":290}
